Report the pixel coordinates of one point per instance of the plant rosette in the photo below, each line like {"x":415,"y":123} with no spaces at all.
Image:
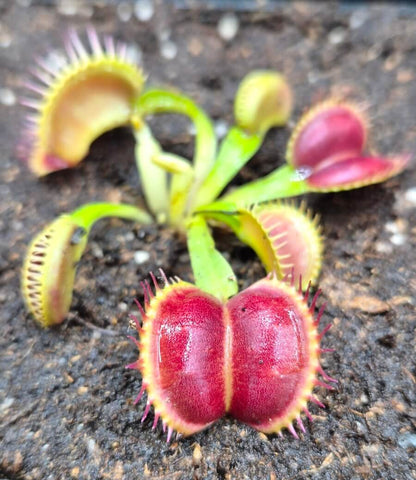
{"x":99,"y":88}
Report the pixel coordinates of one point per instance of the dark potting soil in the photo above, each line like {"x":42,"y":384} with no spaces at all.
{"x":66,"y":401}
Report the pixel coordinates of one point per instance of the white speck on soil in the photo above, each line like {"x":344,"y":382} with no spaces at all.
{"x":410,"y":195}
{"x":398,"y":239}
{"x":407,"y":440}
{"x":358,"y":18}
{"x":124,"y":11}
{"x":5,"y":37}
{"x":68,"y":7}
{"x":7,"y":97}
{"x":383,"y":247}
{"x":134,"y":54}
{"x":164,"y":34}
{"x":221,"y":128}
{"x":398,"y":226}
{"x":228,"y":26}
{"x":129,"y":236}
{"x":6,"y":404}
{"x":141,"y":256}
{"x":337,"y":35}
{"x":144,"y":10}
{"x":123,"y":306}
{"x":168,"y":49}
{"x":313,"y":77}
{"x":96,"y":250}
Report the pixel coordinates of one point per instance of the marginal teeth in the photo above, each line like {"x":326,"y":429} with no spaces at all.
{"x":28,"y":102}
{"x":109,"y":46}
{"x":170,"y":431}
{"x":94,"y":42}
{"x":292,"y":430}
{"x":301,"y":425}
{"x":78,"y":46}
{"x":122,"y":51}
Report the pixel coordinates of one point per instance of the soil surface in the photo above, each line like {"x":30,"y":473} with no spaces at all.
{"x":66,"y":400}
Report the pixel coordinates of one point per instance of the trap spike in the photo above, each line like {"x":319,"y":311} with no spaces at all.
{"x":94,"y":41}
{"x":132,"y":366}
{"x":325,"y":330}
{"x":300,"y":285}
{"x":301,"y":425}
{"x":320,"y":313}
{"x":163,"y":275}
{"x":308,"y":414}
{"x":156,"y":285}
{"x":109,"y":45}
{"x":314,"y":299}
{"x":146,"y":412}
{"x":145,"y":294}
{"x":140,"y":395}
{"x":139,"y":306}
{"x":292,"y":430}
{"x":308,"y":288}
{"x":77,"y":44}
{"x":156,"y":419}
{"x":326,"y":350}
{"x":314,"y":400}
{"x":169,"y":436}
{"x":326,"y":376}
{"x":149,"y":290}
{"x":135,"y":341}
{"x":323,"y":384}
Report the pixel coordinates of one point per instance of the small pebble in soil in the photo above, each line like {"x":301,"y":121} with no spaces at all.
{"x":168,"y":49}
{"x":7,"y":97}
{"x":134,"y":54}
{"x":398,"y":226}
{"x":124,"y":11}
{"x":129,"y":236}
{"x":6,"y":404}
{"x":313,"y":77}
{"x":191,"y":129}
{"x":398,"y":239}
{"x":123,"y":306}
{"x":358,"y":18}
{"x":141,"y":256}
{"x":68,"y":7}
{"x":228,"y":26}
{"x":164,"y":34}
{"x":144,"y":10}
{"x":383,"y":247}
{"x":96,"y":250}
{"x":86,"y":11}
{"x":337,"y":35}
{"x":410,"y":195}
{"x":221,"y":128}
{"x":407,"y":440}
{"x":5,"y":37}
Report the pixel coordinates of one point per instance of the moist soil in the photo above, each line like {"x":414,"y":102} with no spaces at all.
{"x":66,"y":405}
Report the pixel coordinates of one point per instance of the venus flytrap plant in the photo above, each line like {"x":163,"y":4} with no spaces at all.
{"x":76,"y":101}
{"x":287,"y":239}
{"x":325,"y":154}
{"x":263,"y":100}
{"x":205,"y":349}
{"x":49,"y":269}
{"x":186,"y":178}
